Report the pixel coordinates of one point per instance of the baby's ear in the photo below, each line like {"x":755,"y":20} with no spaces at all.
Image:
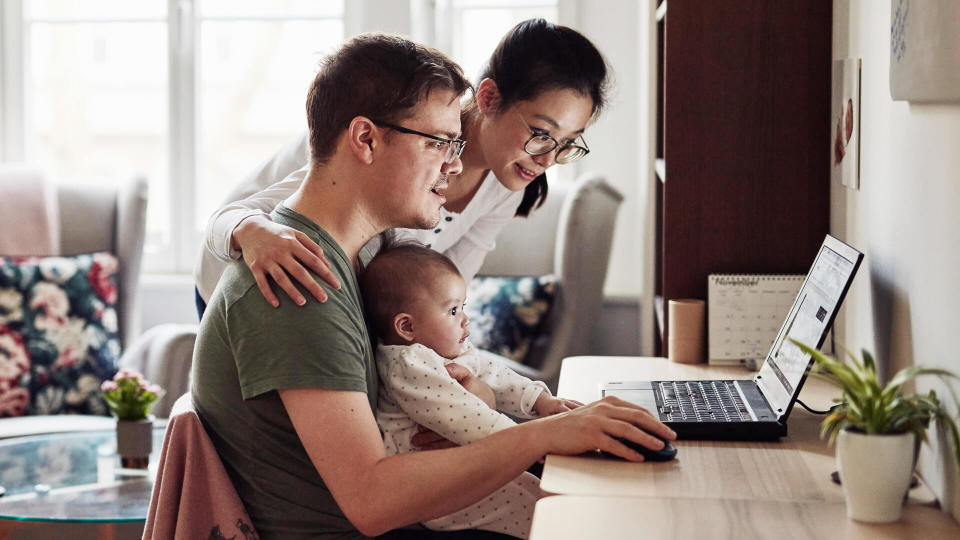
{"x":403,"y":326}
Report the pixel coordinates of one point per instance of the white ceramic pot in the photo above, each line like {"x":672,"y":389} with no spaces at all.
{"x":135,"y":441}
{"x":875,"y":471}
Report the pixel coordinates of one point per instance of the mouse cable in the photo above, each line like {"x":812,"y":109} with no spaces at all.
{"x":814,"y":411}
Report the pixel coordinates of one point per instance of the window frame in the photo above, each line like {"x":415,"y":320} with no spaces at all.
{"x":183,"y":21}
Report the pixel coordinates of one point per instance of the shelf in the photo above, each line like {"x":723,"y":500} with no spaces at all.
{"x":732,"y":111}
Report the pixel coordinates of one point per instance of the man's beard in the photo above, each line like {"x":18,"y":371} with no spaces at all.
{"x":430,"y":222}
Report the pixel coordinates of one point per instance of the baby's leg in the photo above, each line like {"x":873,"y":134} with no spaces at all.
{"x":508,"y":510}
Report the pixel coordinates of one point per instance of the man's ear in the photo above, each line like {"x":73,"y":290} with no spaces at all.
{"x":403,"y":326}
{"x":362,"y":138}
{"x":488,"y":96}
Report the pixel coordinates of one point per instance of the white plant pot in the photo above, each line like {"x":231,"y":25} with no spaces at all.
{"x":875,"y":471}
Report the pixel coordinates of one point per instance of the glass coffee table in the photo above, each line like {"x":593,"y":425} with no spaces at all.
{"x":72,"y":478}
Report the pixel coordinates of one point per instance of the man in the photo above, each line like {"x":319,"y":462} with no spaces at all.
{"x":287,"y":395}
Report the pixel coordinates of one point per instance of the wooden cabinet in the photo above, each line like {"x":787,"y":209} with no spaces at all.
{"x":743,"y":140}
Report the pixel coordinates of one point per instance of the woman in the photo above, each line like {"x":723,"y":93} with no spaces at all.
{"x":540,"y":88}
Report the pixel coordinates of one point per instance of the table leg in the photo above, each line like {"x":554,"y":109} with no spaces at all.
{"x":9,"y":526}
{"x":107,"y":531}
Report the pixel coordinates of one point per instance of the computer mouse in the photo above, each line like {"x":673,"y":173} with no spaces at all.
{"x":668,"y":452}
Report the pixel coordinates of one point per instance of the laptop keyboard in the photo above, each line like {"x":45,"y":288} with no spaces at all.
{"x":702,"y":401}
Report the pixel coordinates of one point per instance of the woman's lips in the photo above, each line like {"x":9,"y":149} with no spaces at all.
{"x":526,"y":174}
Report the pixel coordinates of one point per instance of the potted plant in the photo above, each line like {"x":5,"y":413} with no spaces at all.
{"x":877,"y":430}
{"x":130,"y":398}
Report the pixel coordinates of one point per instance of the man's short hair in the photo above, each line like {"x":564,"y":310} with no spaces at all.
{"x":395,"y":277}
{"x":380,"y":76}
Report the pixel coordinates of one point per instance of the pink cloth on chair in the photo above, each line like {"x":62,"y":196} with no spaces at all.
{"x":29,"y":213}
{"x":192,"y":495}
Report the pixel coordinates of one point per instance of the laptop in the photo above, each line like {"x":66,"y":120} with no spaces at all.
{"x":755,"y":409}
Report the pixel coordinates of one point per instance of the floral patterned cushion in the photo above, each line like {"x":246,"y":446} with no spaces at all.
{"x":507,"y":313}
{"x":58,"y":333}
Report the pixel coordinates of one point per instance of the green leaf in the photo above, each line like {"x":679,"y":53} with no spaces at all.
{"x":872,"y":408}
{"x":870,"y":367}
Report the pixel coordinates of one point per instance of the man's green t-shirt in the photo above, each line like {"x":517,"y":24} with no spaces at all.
{"x":247,"y":350}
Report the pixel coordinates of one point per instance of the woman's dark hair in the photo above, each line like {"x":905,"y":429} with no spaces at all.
{"x":536,"y":56}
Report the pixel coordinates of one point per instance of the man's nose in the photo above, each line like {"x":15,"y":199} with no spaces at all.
{"x":454,"y":167}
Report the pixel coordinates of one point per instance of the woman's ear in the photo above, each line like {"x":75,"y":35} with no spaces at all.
{"x":403,"y":326}
{"x":488,"y":96}
{"x":362,"y":138}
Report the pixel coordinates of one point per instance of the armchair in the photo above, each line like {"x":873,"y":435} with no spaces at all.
{"x":108,"y":218}
{"x":90,"y":218}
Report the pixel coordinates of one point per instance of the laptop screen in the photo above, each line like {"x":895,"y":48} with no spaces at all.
{"x":808,"y":321}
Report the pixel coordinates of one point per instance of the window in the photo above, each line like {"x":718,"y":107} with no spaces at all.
{"x":469,"y":30}
{"x":254,"y":69}
{"x":93,"y":106}
{"x":189,"y":94}
{"x":192,"y":94}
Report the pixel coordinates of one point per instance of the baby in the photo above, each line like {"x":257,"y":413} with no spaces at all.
{"x":414,"y":298}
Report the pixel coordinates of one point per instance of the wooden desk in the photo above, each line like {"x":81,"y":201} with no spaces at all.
{"x":628,"y":518}
{"x":734,"y":480}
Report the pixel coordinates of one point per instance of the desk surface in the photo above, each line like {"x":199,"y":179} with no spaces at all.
{"x":733,"y":475}
{"x":795,"y":468}
{"x":628,"y":518}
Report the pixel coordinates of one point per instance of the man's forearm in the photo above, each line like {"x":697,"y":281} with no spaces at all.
{"x":419,"y":486}
{"x":378,"y":493}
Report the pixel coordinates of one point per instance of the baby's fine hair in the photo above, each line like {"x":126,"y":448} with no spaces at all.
{"x":395,"y":277}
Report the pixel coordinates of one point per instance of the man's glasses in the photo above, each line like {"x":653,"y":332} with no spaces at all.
{"x":454,"y":146}
{"x":540,"y":142}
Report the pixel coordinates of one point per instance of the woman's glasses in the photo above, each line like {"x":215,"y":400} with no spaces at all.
{"x":454,"y":146}
{"x":540,"y":142}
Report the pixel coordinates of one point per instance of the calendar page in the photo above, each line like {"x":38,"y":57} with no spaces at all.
{"x":744,"y":314}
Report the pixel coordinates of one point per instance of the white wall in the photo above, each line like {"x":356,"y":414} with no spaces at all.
{"x":614,"y":138}
{"x":905,"y":218}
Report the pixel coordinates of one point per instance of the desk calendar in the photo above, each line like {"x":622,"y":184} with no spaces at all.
{"x":744,"y":314}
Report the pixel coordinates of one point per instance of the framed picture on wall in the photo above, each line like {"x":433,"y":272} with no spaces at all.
{"x":925,"y":50}
{"x":845,"y":123}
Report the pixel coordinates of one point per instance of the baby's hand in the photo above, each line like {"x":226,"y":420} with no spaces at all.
{"x":547,"y":405}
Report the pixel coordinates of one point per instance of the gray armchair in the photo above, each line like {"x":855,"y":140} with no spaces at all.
{"x":570,"y":237}
{"x":108,"y":218}
{"x":95,"y":217}
{"x":92,"y":217}
{"x":100,"y":218}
